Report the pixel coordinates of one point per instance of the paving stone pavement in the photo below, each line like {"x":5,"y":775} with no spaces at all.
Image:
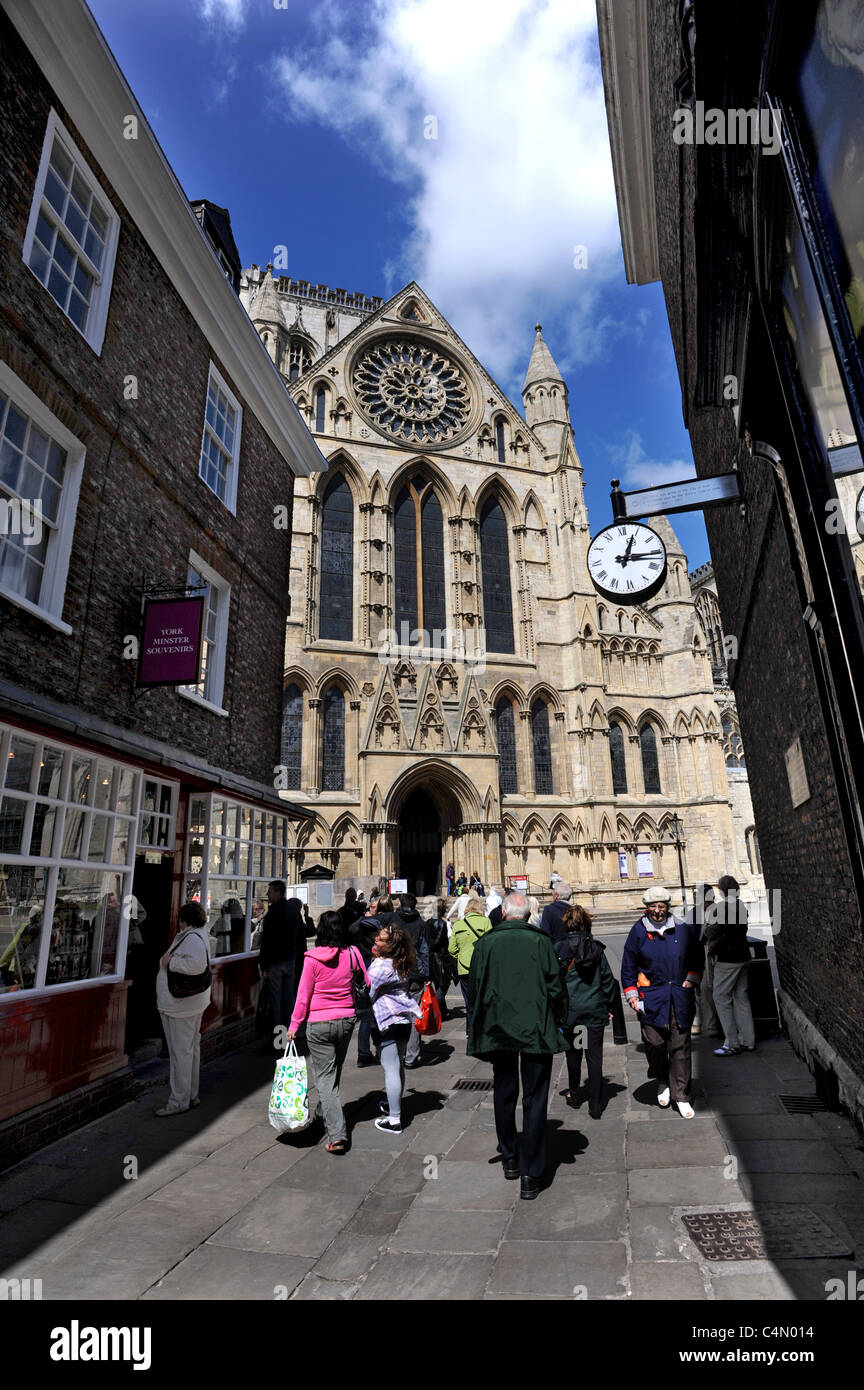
{"x":214,"y":1204}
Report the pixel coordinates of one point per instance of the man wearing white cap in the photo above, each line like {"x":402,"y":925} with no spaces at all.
{"x":661,"y":965}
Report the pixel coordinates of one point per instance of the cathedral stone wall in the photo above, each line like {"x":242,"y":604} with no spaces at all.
{"x":482,"y":738}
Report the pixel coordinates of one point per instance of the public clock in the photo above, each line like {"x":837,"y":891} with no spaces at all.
{"x":627,"y":562}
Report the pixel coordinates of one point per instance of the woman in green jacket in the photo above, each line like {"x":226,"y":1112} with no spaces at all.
{"x":591,"y":991}
{"x":465,"y":933}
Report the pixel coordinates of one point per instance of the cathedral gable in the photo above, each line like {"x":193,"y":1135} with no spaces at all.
{"x":385,"y":729}
{"x":431,"y":732}
{"x":475,"y":732}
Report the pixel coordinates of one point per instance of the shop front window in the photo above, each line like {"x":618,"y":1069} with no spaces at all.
{"x":244,"y":849}
{"x":67,"y":832}
{"x":23,"y":891}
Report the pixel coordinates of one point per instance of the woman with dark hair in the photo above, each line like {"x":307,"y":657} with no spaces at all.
{"x":325,"y":1003}
{"x":395,"y":1011}
{"x":591,"y":993}
{"x":187,"y":956}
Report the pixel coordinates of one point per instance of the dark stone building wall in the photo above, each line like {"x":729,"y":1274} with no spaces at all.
{"x":142,"y":505}
{"x":819,"y":948}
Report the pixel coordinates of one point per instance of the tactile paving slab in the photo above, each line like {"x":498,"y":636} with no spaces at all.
{"x":772,"y":1233}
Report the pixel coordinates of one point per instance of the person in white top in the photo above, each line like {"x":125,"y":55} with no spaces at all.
{"x":493,"y":899}
{"x":189,"y":954}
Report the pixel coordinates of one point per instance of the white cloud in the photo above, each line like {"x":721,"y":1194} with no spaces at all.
{"x":518,"y":177}
{"x":229,"y":12}
{"x":636,"y":470}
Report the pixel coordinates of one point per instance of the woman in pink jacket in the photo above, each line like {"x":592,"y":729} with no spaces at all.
{"x":326,"y":1005}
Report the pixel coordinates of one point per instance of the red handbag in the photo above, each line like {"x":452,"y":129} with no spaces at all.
{"x":429,"y":1021}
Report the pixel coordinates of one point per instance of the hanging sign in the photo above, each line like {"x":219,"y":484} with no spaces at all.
{"x":170,"y":652}
{"x":645,"y":863}
{"x":623,"y":865}
{"x":683,"y":497}
{"x":518,"y":883}
{"x":397,"y":885}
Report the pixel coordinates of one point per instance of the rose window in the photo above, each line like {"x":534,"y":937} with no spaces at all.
{"x":412,"y":392}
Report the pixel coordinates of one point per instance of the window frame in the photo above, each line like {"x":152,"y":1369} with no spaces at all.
{"x":63,"y":802}
{"x":229,"y":501}
{"x":94,"y":334}
{"x":223,"y":587}
{"x":56,"y":571}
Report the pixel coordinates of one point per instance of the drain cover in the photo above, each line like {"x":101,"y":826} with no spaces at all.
{"x":473,"y":1083}
{"x":802,"y":1105}
{"x":772,"y":1233}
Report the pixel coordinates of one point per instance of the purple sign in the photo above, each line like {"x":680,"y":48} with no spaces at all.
{"x":171,"y":641}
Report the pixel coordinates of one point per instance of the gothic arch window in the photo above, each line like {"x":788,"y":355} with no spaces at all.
{"x":619,"y":765}
{"x":506,"y":726}
{"x":601,"y":614}
{"x":543,"y":781}
{"x":620,"y":622}
{"x":650,"y":765}
{"x":732,"y":745}
{"x":753,"y":850}
{"x":320,"y":408}
{"x":500,"y":447}
{"x":418,"y":532}
{"x":299,"y":358}
{"x":495,"y":570}
{"x":336,"y":610}
{"x":333,"y":740}
{"x":292,"y":734}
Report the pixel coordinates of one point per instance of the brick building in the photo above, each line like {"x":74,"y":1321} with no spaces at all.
{"x":148,"y":447}
{"x":736,"y":135}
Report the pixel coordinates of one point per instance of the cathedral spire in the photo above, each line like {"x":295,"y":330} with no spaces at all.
{"x":265,"y":307}
{"x":544,"y":390}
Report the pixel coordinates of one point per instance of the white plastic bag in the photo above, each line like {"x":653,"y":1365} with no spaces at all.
{"x":289,"y":1098}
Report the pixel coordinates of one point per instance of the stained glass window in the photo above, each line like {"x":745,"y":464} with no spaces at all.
{"x":333,"y":740}
{"x":619,"y":765}
{"x":543,"y":784}
{"x":292,"y":734}
{"x":495,"y":565}
{"x":320,"y":407}
{"x":419,"y":577}
{"x":650,"y":766}
{"x":499,"y":441}
{"x":337,"y":562}
{"x":507,"y":775}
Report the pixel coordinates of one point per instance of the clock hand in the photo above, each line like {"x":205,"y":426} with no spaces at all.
{"x":645,"y":554}
{"x":629,"y":548}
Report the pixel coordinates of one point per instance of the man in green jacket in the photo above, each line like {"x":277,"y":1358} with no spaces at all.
{"x":518,"y":1004}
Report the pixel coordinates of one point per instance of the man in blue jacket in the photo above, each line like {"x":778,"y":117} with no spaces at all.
{"x":661,"y":966}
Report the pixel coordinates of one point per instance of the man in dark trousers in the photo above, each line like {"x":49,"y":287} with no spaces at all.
{"x":552,"y":921}
{"x":518,"y":1004}
{"x":283,"y":941}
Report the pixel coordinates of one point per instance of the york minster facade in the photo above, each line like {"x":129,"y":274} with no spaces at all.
{"x":455,"y":691}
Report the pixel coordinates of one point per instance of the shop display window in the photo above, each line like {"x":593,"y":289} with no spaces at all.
{"x":243,"y":849}
{"x":67,"y":841}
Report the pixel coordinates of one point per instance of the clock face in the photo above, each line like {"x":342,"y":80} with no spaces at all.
{"x":627,"y":562}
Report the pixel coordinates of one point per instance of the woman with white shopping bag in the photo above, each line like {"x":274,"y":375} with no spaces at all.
{"x":325,"y":1003}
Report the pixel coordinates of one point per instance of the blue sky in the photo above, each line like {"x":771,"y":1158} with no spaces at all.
{"x":313,"y":125}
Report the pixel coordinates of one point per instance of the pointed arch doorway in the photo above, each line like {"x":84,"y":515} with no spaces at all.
{"x":421,"y":840}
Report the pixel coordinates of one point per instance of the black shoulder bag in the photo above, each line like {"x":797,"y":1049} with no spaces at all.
{"x":182,"y":986}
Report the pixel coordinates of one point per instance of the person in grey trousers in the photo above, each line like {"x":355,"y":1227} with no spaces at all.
{"x":698,"y":916}
{"x":325,"y":1004}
